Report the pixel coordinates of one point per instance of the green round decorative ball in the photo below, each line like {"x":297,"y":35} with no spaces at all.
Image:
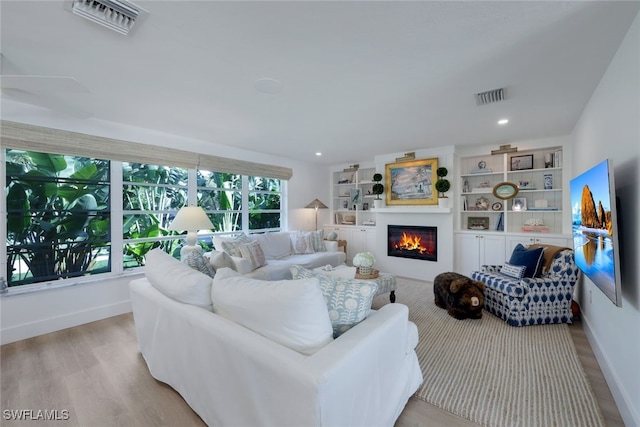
{"x":442,"y":171}
{"x":443,"y":185}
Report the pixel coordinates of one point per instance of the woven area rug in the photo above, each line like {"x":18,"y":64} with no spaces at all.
{"x":494,"y":374}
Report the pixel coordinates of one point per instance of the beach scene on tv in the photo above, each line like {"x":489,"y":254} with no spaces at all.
{"x":593,"y":228}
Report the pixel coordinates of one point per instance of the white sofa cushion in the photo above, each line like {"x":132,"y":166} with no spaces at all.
{"x":348,"y":300}
{"x":290,"y":312}
{"x":275,"y":245}
{"x":177,"y":280}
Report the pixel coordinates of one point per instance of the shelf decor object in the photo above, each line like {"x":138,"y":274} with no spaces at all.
{"x":412,"y":183}
{"x":505,"y":190}
{"x":482,"y":168}
{"x":524,"y":162}
{"x":478,"y":223}
{"x":519,"y":204}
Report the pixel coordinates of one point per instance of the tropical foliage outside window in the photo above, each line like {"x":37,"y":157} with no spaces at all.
{"x":264,"y":203}
{"x":58,"y":212}
{"x":151,"y":196}
{"x":58,"y":219}
{"x":220,"y":195}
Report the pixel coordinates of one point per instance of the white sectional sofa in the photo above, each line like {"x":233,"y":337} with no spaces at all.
{"x":232,"y":375}
{"x":280,"y":253}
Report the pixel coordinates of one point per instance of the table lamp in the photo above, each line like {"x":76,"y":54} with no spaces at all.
{"x":190,"y":219}
{"x":316,"y":204}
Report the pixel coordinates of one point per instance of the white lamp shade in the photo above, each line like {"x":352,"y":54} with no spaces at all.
{"x":191,"y":218}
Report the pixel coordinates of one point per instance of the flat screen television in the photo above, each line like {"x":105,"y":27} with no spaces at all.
{"x":595,"y":228}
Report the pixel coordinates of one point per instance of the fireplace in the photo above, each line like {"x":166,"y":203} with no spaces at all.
{"x":410,"y":241}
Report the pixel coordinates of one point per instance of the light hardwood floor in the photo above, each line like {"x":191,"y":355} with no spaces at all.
{"x":96,"y":373}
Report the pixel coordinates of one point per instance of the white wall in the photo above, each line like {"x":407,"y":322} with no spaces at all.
{"x":609,"y":128}
{"x":32,"y":314}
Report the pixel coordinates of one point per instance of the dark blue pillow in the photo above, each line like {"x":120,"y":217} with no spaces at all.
{"x":530,"y":258}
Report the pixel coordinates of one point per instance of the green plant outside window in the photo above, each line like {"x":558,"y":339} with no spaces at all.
{"x":58,"y":218}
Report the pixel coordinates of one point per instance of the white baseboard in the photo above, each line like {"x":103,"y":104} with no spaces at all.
{"x":627,"y":411}
{"x":40,"y":327}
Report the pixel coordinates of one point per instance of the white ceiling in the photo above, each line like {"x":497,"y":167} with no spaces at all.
{"x":358,"y":78}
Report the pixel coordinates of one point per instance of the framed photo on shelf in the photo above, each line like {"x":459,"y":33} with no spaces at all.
{"x":519,"y":204}
{"x":519,"y":163}
{"x":355,"y":196}
{"x":412,"y":182}
{"x":505,"y":190}
{"x":478,"y":223}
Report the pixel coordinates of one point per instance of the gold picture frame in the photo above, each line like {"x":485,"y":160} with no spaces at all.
{"x":505,"y":190}
{"x":412,"y":183}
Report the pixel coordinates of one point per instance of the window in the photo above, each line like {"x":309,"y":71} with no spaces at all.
{"x":223,"y":196}
{"x":264,"y":203}
{"x":151,"y":196}
{"x":59,"y":222}
{"x":58,"y":216}
{"x":220,"y":195}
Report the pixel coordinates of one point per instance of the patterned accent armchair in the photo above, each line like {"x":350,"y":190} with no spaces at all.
{"x":532,"y":301}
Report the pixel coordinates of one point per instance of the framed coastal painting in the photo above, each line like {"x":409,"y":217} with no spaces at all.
{"x":412,"y":183}
{"x":519,"y":163}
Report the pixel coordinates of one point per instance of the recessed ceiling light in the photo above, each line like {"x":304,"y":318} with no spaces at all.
{"x":503,"y":121}
{"x":318,"y":154}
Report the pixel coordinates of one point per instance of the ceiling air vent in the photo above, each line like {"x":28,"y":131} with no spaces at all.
{"x":490,"y":96}
{"x":116,"y":15}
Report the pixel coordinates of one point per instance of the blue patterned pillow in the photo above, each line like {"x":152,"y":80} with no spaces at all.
{"x":532,"y":259}
{"x":515,"y":271}
{"x":317,"y":240}
{"x":348,"y":300}
{"x":197,"y":261}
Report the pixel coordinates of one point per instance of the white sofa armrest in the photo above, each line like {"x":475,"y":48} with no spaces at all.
{"x":243,"y":266}
{"x":331,"y":245}
{"x":382,"y":346}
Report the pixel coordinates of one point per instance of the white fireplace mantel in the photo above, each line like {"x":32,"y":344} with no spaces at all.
{"x":412,"y":210}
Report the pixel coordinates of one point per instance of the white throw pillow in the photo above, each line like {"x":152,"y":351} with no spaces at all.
{"x":317,"y":240}
{"x":513,"y":271}
{"x":221,"y":259}
{"x":253,"y":253}
{"x":230,"y":245}
{"x":177,"y":280}
{"x":302,"y":243}
{"x":275,"y":245}
{"x":290,"y":312}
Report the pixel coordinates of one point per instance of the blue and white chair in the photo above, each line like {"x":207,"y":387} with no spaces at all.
{"x":531,"y":300}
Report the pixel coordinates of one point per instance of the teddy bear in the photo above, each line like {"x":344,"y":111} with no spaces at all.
{"x":462,"y":297}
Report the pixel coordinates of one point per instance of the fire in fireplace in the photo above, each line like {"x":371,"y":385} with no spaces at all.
{"x":410,"y":241}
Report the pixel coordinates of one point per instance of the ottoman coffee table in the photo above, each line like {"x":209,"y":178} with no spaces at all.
{"x":386,"y":282}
